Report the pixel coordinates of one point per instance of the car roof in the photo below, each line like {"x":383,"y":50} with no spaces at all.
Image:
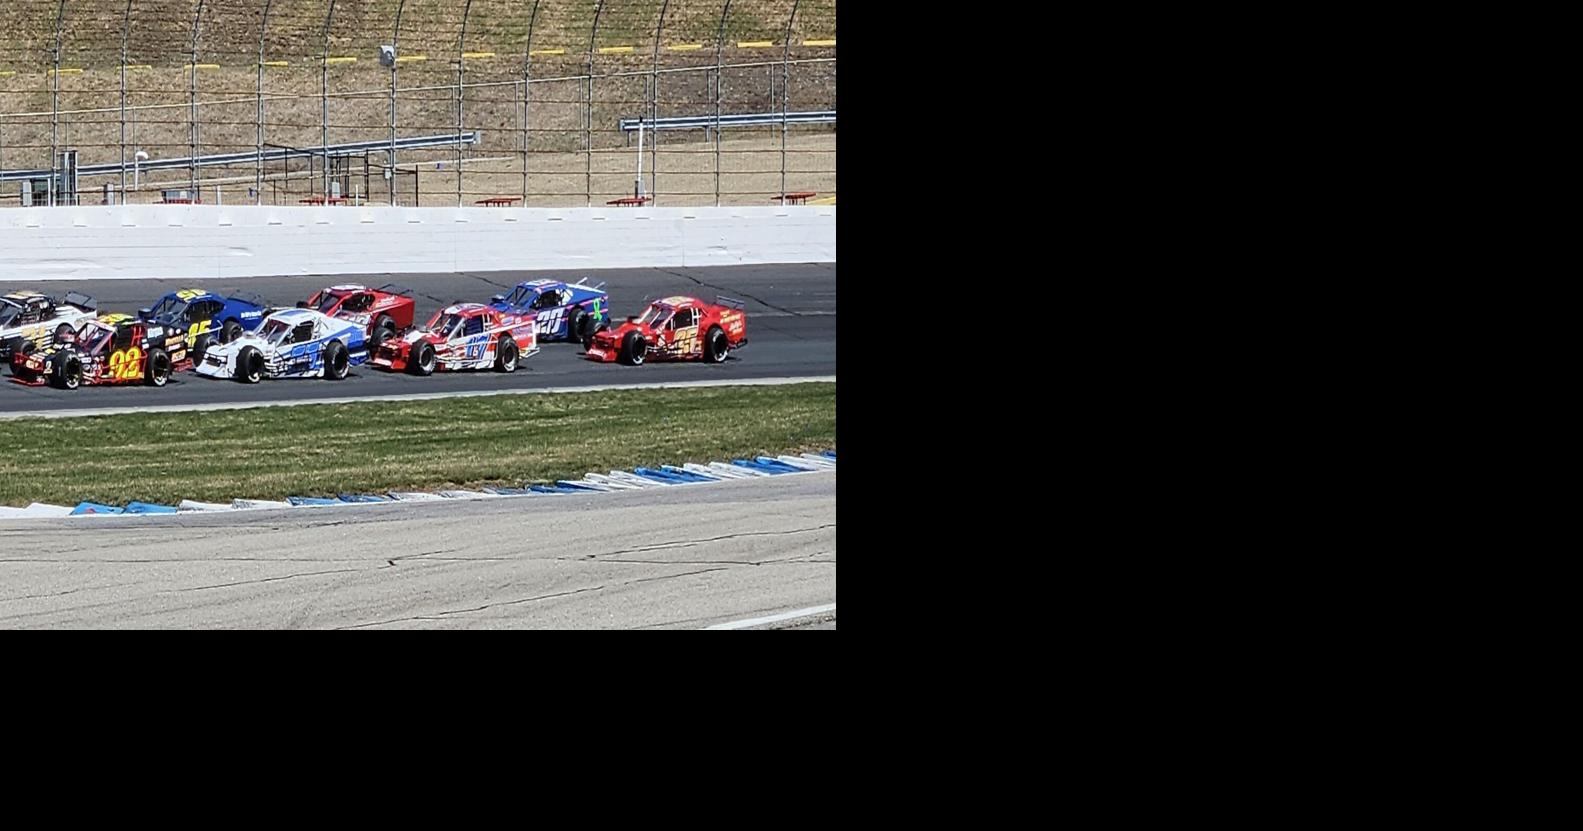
{"x":468,"y":309}
{"x":114,"y":319}
{"x":540,"y":283}
{"x":296,"y":315}
{"x":23,"y":298}
{"x":347,"y":288}
{"x":677,"y":301}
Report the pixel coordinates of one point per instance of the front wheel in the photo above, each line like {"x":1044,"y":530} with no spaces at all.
{"x":249,"y":365}
{"x":336,"y":361}
{"x":199,"y":346}
{"x":157,"y":372}
{"x":420,"y":360}
{"x":576,"y":324}
{"x":634,"y":349}
{"x":230,"y":331}
{"x":384,"y":329}
{"x":588,"y":339}
{"x":68,"y":373}
{"x":506,"y":354}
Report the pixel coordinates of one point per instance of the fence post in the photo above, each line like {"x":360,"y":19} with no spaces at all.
{"x":720,"y":59}
{"x":54,"y":108}
{"x":126,"y":58}
{"x":192,"y":118}
{"x":527,"y":95}
{"x":654,"y":106}
{"x":395,"y":46}
{"x":461,"y":67}
{"x":258,"y":169}
{"x":588,"y":110}
{"x":324,"y":109}
{"x":786,"y":93}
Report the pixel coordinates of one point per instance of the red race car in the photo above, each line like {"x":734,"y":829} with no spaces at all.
{"x":382,"y":312}
{"x":674,"y":329}
{"x":466,"y":336}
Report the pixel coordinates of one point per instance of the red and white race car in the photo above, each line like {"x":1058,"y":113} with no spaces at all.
{"x":467,"y":336}
{"x":382,"y":312}
{"x":674,"y":329}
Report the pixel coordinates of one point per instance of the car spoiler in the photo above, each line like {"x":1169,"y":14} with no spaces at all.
{"x":722,"y":300}
{"x":583,"y":284}
{"x":81,"y":301}
{"x":392,"y":288}
{"x":249,"y":297}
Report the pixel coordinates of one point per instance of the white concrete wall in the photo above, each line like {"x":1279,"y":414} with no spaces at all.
{"x":190,"y":241}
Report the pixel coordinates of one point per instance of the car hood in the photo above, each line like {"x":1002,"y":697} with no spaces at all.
{"x":235,"y":346}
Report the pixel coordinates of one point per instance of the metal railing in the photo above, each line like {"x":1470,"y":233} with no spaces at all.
{"x":204,"y":88}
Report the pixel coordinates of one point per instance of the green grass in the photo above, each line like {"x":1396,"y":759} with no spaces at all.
{"x":323,"y":450}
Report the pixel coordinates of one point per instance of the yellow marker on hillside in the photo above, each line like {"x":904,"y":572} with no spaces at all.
{"x":548,"y":52}
{"x":614,"y":50}
{"x":830,"y":42}
{"x":477,"y":55}
{"x":340,"y":60}
{"x":412,"y":58}
{"x":755,"y":44}
{"x":276,"y":63}
{"x":684,"y":47}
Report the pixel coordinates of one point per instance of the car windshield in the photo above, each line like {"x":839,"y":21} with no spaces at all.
{"x":442,"y":324}
{"x":275,"y":331}
{"x":8,"y":313}
{"x":655,"y":315}
{"x":327,"y":302}
{"x":169,"y":308}
{"x":522,"y":295}
{"x":93,"y":336}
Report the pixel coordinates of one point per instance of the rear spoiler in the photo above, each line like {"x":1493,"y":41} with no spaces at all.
{"x":722,"y":300}
{"x":81,"y":301}
{"x":583,"y":283}
{"x":249,"y":297}
{"x":392,"y":288}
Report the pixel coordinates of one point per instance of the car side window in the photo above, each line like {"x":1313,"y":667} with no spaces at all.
{"x":123,"y":338}
{"x":548,"y":300}
{"x":358,"y":303}
{"x":303,"y":333}
{"x":473,"y":326}
{"x":686,"y":317}
{"x":204,"y":310}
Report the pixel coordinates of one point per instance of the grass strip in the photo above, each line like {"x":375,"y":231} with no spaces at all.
{"x":324,"y":450}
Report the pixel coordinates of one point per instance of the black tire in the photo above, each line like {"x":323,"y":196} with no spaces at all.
{"x":230,"y":331}
{"x":336,"y":361}
{"x":420,"y":361}
{"x":200,"y":346}
{"x":716,"y":345}
{"x":588,"y":339}
{"x":249,"y":365}
{"x":68,"y":373}
{"x":506,"y":354}
{"x":576,"y":324}
{"x":61,"y":331}
{"x":157,"y":370}
{"x":14,"y":349}
{"x":384,"y":329}
{"x":634,"y":349}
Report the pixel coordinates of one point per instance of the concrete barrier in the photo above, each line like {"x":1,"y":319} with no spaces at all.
{"x":198,"y":242}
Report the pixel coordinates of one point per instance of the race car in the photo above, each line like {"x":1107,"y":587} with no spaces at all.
{"x":674,"y":329}
{"x":466,"y":336}
{"x":564,"y":312}
{"x":205,"y":317}
{"x":383,"y":312}
{"x":30,"y":317}
{"x":291,"y":343}
{"x":114,"y":349}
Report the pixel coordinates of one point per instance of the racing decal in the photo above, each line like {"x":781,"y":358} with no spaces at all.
{"x":550,"y":320}
{"x":685,"y":341}
{"x":190,"y":295}
{"x":199,"y":328}
{"x":126,"y":364}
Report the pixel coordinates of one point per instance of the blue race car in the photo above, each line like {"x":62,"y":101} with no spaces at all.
{"x":563,"y":311}
{"x":206,"y":317}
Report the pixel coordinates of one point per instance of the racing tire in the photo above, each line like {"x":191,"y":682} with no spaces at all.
{"x":588,"y":339}
{"x":199,"y":346}
{"x":420,"y":361}
{"x":576,"y":324}
{"x":506,"y":355}
{"x":16,"y":348}
{"x":230,"y":331}
{"x":716,"y":345}
{"x":634,"y":349}
{"x":384,"y":329}
{"x":62,"y":331}
{"x":336,"y":361}
{"x":156,"y":371}
{"x":249,"y":365}
{"x":68,"y":373}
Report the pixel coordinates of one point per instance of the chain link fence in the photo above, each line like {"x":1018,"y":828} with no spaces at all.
{"x":417,"y":102}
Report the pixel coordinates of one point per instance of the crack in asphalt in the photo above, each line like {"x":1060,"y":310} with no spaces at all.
{"x":758,"y":300}
{"x":268,"y":580}
{"x":690,"y":543}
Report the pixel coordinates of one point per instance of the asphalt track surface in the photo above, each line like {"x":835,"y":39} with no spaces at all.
{"x":791,"y":333}
{"x":678,"y":558}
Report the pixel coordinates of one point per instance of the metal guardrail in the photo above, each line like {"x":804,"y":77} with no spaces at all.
{"x":698,"y":122}
{"x":270,"y":155}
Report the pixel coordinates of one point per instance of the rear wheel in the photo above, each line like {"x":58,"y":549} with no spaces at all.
{"x":576,"y":324}
{"x":506,"y":354}
{"x":230,"y":331}
{"x":384,"y":329}
{"x":68,"y":373}
{"x":14,"y":351}
{"x":200,"y":346}
{"x":634,"y":349}
{"x":421,"y":360}
{"x":716,"y":345}
{"x":157,"y":371}
{"x":249,"y":365}
{"x":336,"y":361}
{"x":588,"y":339}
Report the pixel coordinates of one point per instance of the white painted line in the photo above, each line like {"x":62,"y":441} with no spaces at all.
{"x":760,"y":621}
{"x":426,"y":396}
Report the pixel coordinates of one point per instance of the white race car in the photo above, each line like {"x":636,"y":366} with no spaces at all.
{"x":293,"y":343}
{"x":27,"y":316}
